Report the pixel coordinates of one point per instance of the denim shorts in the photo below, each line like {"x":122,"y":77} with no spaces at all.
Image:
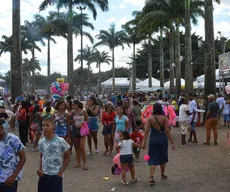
{"x":226,"y":117}
{"x":193,"y":126}
{"x":126,"y":158}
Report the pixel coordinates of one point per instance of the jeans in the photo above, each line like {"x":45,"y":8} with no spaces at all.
{"x":211,"y":123}
{"x":48,"y":183}
{"x":23,"y":131}
{"x":13,"y":188}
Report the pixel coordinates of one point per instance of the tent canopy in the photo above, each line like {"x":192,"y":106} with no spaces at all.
{"x":2,"y":81}
{"x":119,"y":82}
{"x":145,"y":83}
{"x":167,"y":84}
{"x":201,"y":78}
{"x":200,"y":85}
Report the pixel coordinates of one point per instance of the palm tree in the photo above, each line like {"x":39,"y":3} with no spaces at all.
{"x":87,"y":54}
{"x":112,"y":39}
{"x":91,"y":4}
{"x":28,"y":66}
{"x":6,"y":45}
{"x":158,"y":12}
{"x":16,"y":55}
{"x":210,"y":77}
{"x":48,"y":27}
{"x":135,"y":36}
{"x":188,"y":43}
{"x":33,"y":35}
{"x":100,"y":58}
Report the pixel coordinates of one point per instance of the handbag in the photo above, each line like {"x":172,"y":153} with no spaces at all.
{"x":84,"y":129}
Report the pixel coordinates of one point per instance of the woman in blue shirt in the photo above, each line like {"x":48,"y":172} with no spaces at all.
{"x":121,"y":124}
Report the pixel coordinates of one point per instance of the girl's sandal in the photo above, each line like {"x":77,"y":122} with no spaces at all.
{"x":151,"y":181}
{"x":164,"y":177}
{"x":124,"y":183}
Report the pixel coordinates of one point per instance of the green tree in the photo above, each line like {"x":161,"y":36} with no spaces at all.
{"x":100,"y":58}
{"x":135,"y":37}
{"x":91,"y":5}
{"x":28,"y":66}
{"x":87,"y":54}
{"x":112,"y":39}
{"x":33,"y":35}
{"x":157,"y":11}
{"x":49,"y":27}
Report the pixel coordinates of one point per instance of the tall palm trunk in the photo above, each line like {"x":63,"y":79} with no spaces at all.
{"x":172,"y":56}
{"x":99,"y":79}
{"x":48,"y":66}
{"x":16,"y":54}
{"x":188,"y":50}
{"x":113,"y":69}
{"x":150,"y":62}
{"x":33,"y":69}
{"x":134,"y":73}
{"x":210,"y":77}
{"x":177,"y":60}
{"x":161,"y":59}
{"x":70,"y":49}
{"x":88,"y":77}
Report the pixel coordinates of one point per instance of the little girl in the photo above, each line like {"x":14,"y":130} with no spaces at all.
{"x":126,"y":155}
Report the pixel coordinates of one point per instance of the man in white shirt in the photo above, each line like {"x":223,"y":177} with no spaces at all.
{"x":183,"y":120}
{"x":220,"y":101}
{"x":193,"y":117}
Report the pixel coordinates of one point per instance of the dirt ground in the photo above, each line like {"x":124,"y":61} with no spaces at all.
{"x":197,"y":168}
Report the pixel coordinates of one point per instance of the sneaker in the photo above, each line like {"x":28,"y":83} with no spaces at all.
{"x":97,"y":151}
{"x":184,"y":145}
{"x":190,"y":140}
{"x":206,"y":143}
{"x":89,"y":154}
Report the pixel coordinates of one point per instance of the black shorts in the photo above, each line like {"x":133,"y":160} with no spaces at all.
{"x":126,"y":158}
{"x":107,"y":129}
{"x":76,"y":132}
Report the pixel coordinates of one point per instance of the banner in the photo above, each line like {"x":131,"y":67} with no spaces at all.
{"x":224,"y":64}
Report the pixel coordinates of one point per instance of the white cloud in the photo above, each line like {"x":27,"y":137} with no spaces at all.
{"x":136,"y":3}
{"x":122,"y":6}
{"x":111,"y":20}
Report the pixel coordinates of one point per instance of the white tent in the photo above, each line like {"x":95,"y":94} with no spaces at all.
{"x":167,"y":84}
{"x":119,"y":82}
{"x":2,"y":81}
{"x":201,"y":78}
{"x":200,"y":85}
{"x":145,"y":83}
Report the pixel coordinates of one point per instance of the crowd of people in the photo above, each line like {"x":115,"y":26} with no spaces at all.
{"x":57,"y":129}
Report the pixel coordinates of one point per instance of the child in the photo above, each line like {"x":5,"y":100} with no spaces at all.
{"x":54,"y":158}
{"x":126,"y":158}
{"x":137,"y":137}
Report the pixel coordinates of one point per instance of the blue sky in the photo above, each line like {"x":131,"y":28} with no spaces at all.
{"x":120,"y":12}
